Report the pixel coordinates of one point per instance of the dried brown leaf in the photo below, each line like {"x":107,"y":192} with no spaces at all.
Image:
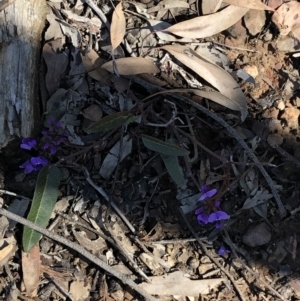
{"x":131,"y":66}
{"x":31,"y":270}
{"x":252,"y":4}
{"x":206,"y":26}
{"x":57,"y":62}
{"x":92,"y":64}
{"x":210,"y":6}
{"x":118,"y":26}
{"x":233,"y":97}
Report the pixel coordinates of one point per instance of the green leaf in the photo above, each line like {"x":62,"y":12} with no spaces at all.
{"x":44,"y":199}
{"x":109,"y":122}
{"x":174,"y":170}
{"x":163,"y":147}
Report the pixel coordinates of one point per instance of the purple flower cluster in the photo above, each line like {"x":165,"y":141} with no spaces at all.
{"x":34,"y":164}
{"x":210,"y":214}
{"x":53,"y":137}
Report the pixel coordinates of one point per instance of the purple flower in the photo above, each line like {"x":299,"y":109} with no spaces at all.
{"x":207,"y":193}
{"x":223,"y":251}
{"x":202,"y":218}
{"x":218,"y":216}
{"x":34,"y":164}
{"x":53,"y":148}
{"x":28,"y":143}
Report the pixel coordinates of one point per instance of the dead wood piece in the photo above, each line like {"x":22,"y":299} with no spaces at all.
{"x":21,"y":28}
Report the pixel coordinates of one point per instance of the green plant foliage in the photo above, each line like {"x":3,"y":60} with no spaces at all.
{"x":174,"y":169}
{"x":44,"y":199}
{"x":109,"y":122}
{"x":162,"y":147}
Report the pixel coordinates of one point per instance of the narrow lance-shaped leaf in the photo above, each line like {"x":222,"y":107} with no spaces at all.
{"x":118,"y":26}
{"x":44,"y":199}
{"x":252,"y":4}
{"x":109,"y":122}
{"x":131,"y":66}
{"x":163,"y":147}
{"x":174,"y":170}
{"x":206,"y":26}
{"x":213,"y":74}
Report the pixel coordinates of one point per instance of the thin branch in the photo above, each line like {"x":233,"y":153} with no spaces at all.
{"x":80,"y":250}
{"x":105,"y":195}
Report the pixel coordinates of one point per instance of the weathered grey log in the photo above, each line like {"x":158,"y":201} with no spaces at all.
{"x":21,"y":26}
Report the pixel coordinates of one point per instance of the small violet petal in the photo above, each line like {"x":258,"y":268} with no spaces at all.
{"x":202,"y":219}
{"x":54,"y":149}
{"x":28,"y":143}
{"x":223,"y":251}
{"x":217,"y":203}
{"x":204,"y":189}
{"x":199,"y":211}
{"x":219,"y":224}
{"x":28,"y":167}
{"x":217,"y":216}
{"x":39,"y":161}
{"x":208,"y":194}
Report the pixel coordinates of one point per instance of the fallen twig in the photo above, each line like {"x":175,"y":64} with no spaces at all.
{"x":80,"y":250}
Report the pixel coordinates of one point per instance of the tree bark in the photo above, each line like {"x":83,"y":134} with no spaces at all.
{"x":21,"y":26}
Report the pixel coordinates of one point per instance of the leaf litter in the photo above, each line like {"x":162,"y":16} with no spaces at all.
{"x":144,"y":71}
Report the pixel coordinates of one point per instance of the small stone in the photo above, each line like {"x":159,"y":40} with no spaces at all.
{"x":295,"y":284}
{"x":279,"y":104}
{"x":255,"y":20}
{"x":257,"y":235}
{"x":275,"y":140}
{"x":93,"y":112}
{"x":193,"y":263}
{"x":252,"y":70}
{"x":205,"y":267}
{"x":276,"y":258}
{"x":268,"y":37}
{"x":291,"y":116}
{"x":270,"y":113}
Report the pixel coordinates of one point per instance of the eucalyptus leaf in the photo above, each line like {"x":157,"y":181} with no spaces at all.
{"x":174,"y":170}
{"x":109,"y":122}
{"x":163,"y":147}
{"x":44,"y":199}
